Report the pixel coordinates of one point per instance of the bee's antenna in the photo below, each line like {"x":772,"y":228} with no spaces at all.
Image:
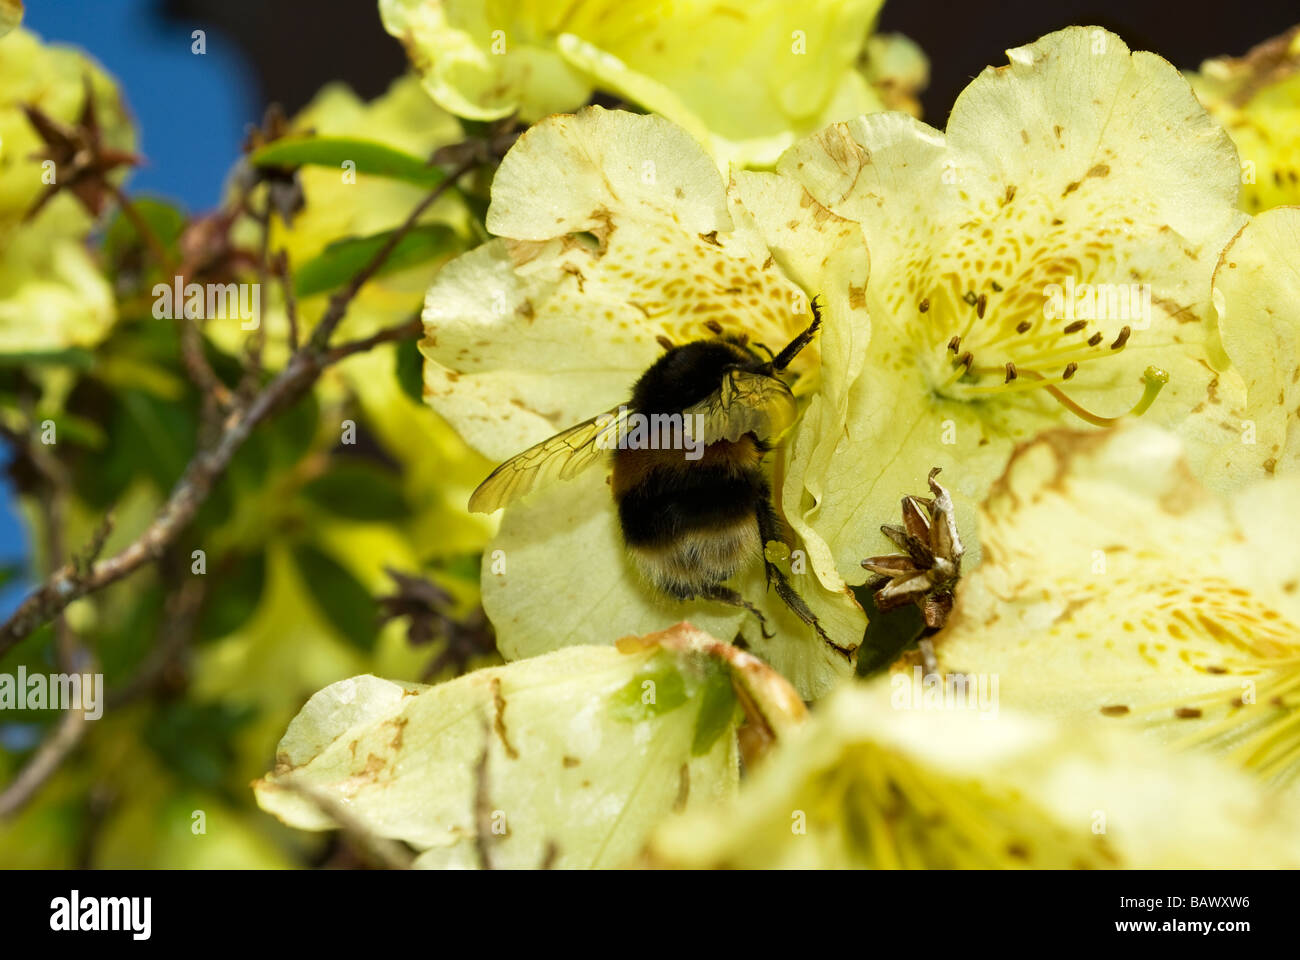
{"x":783,"y":359}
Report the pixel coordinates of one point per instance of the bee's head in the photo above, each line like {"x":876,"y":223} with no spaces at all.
{"x":688,"y":373}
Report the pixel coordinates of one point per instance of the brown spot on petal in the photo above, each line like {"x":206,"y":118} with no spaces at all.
{"x":499,"y":718}
{"x":399,"y":731}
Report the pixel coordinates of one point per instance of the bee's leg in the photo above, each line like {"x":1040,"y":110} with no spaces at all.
{"x":770,"y":527}
{"x":730,"y":597}
{"x":791,"y":349}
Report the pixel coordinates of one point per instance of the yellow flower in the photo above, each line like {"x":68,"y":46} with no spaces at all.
{"x":1257,"y":99}
{"x":568,"y":759}
{"x":617,"y":230}
{"x":1257,"y":300}
{"x":52,"y":295}
{"x":1115,"y":587}
{"x":875,"y":782}
{"x":744,"y":79}
{"x":1048,"y":258}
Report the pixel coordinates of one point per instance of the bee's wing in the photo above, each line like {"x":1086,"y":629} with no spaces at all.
{"x":562,"y":456}
{"x":745,"y":403}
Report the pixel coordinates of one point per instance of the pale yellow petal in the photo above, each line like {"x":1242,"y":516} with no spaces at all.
{"x":557,"y":575}
{"x":1114,"y":585}
{"x":482,"y":63}
{"x":1048,"y":185}
{"x":1257,"y":298}
{"x":744,"y":80}
{"x":570,"y":758}
{"x":876,"y":782}
{"x":619,"y":231}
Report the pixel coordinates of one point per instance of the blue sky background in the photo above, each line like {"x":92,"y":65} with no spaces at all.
{"x":191,"y":112}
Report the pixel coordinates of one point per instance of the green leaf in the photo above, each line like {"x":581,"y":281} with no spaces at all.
{"x":462,"y":566}
{"x":888,"y":633}
{"x":124,"y":640}
{"x":77,"y":357}
{"x":344,"y":601}
{"x":165,"y":220}
{"x":342,"y":260}
{"x":358,"y":491}
{"x":195,"y":740}
{"x":409,"y":368}
{"x":166,"y":432}
{"x":657,"y":690}
{"x":717,"y":709}
{"x":368,"y":155}
{"x":238,"y":581}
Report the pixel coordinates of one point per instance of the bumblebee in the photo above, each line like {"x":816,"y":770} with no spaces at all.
{"x":696,"y":510}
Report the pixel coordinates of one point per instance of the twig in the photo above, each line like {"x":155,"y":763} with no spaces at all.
{"x":71,"y":656}
{"x":186,"y":497}
{"x":383,"y":851}
{"x":257,"y":342}
{"x":408,"y":330}
{"x":304,"y":367}
{"x":281,"y":267}
{"x":46,"y":759}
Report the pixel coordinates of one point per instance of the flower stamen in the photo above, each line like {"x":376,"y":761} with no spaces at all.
{"x":1154,"y":379}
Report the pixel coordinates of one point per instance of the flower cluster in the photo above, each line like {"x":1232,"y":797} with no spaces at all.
{"x":744,"y":79}
{"x":998,"y":300}
{"x":1073,"y":313}
{"x":52,"y":297}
